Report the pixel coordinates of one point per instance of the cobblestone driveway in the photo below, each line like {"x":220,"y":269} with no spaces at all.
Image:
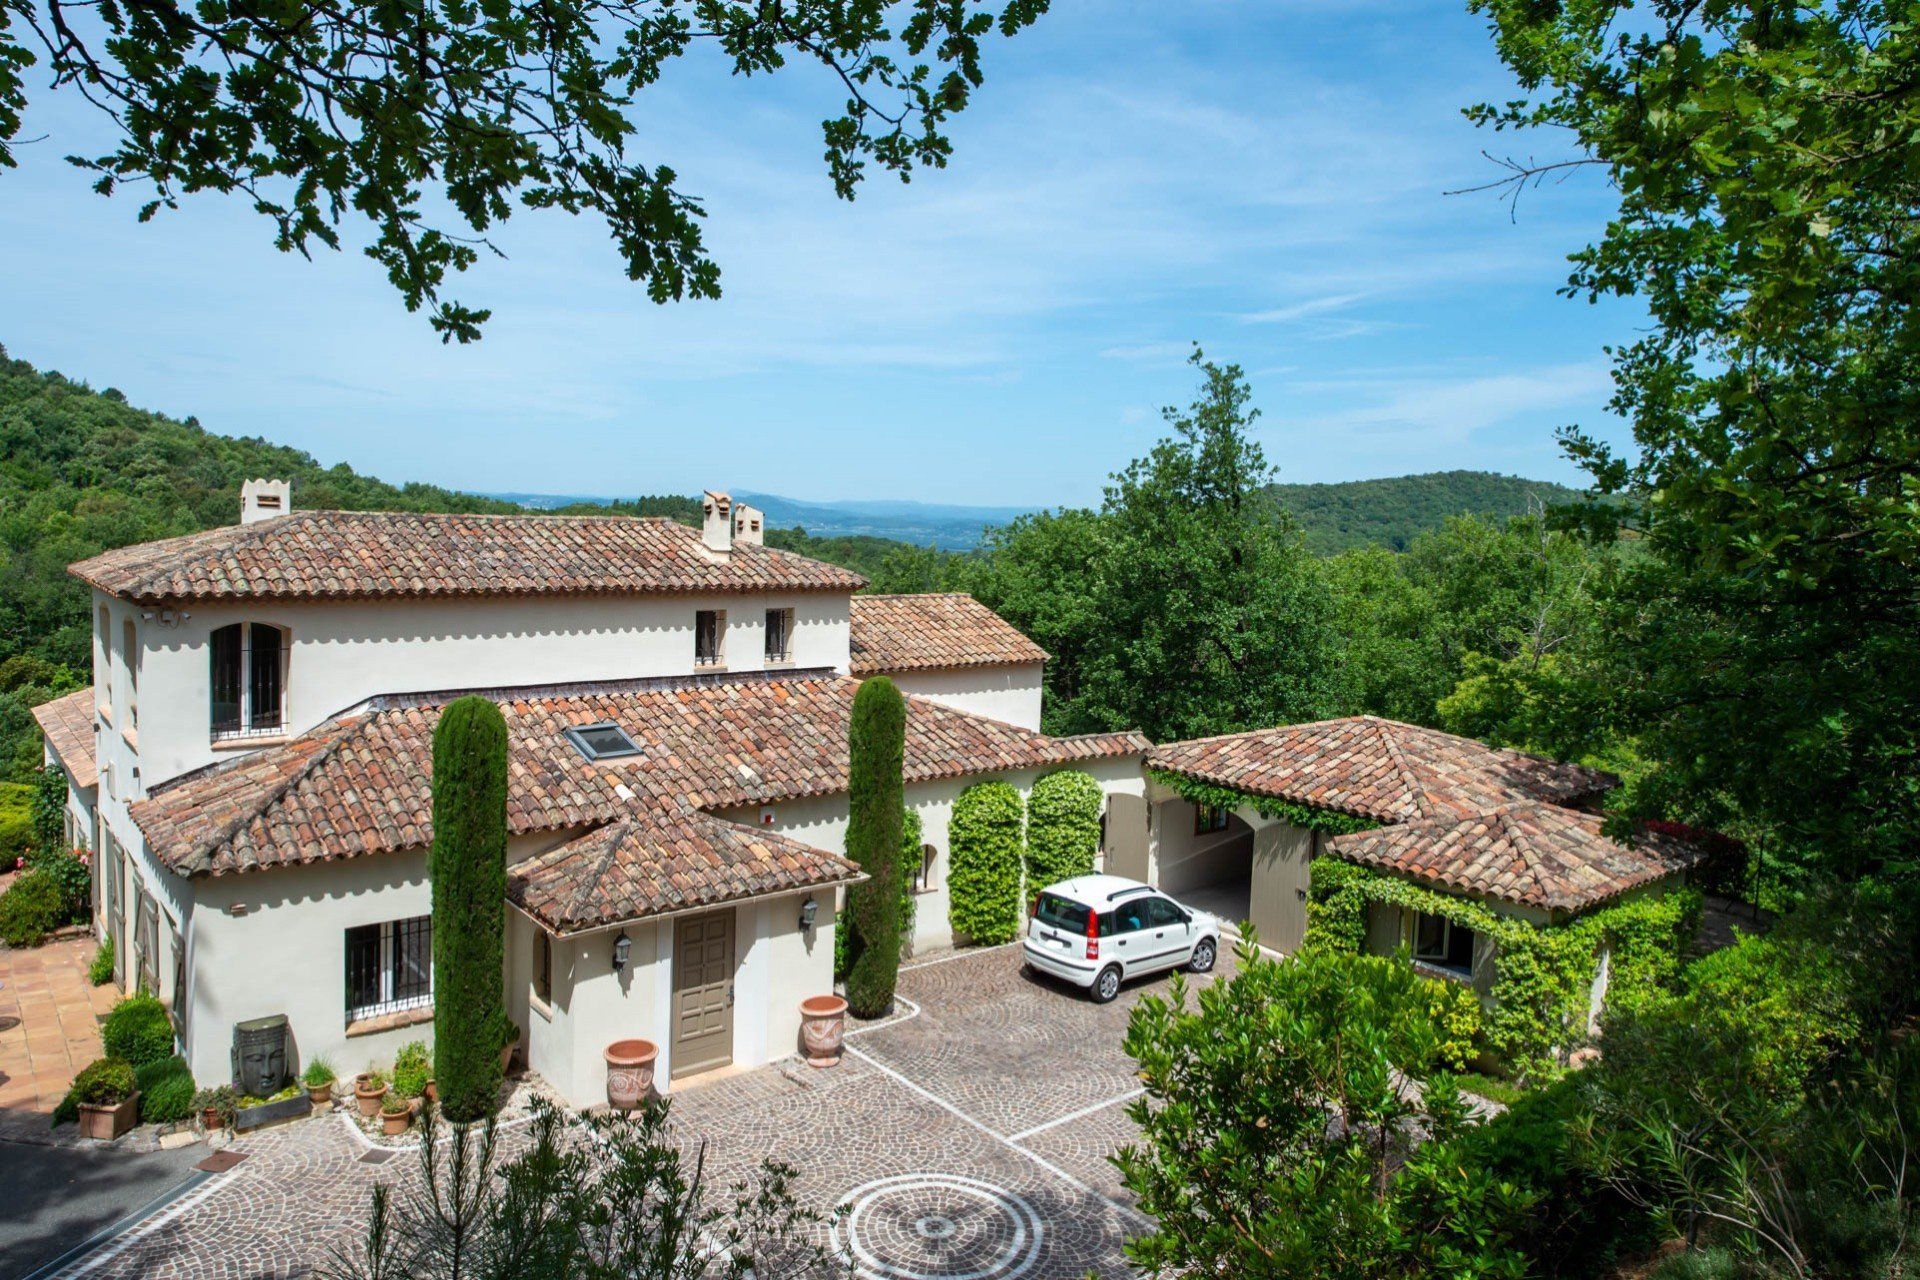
{"x":967,"y":1136}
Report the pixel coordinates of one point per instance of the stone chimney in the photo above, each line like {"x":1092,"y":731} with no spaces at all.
{"x":717,"y":529}
{"x":749,"y":525}
{"x":265,"y":499}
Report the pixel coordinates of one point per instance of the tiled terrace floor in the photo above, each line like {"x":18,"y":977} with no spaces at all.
{"x":967,"y":1136}
{"x":49,"y":1029}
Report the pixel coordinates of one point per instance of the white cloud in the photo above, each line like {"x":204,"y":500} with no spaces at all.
{"x":1431,"y":411}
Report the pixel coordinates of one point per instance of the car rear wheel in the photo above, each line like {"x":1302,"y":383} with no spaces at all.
{"x":1204,"y":954}
{"x":1106,"y":985}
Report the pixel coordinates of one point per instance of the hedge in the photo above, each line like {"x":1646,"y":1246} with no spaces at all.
{"x":33,"y":906}
{"x":166,"y":1091}
{"x":16,"y":822}
{"x":1063,"y":827}
{"x":137,"y":1030}
{"x":1543,"y":976}
{"x":983,"y":883}
{"x":876,"y":750}
{"x":468,"y":867}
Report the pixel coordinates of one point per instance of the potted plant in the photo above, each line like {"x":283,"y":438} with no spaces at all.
{"x":629,"y":1072}
{"x":216,"y":1107}
{"x":396,"y":1113}
{"x":319,"y":1078}
{"x":412,"y":1069}
{"x":368,"y":1089}
{"x":823,"y":1023}
{"x":108,"y":1101}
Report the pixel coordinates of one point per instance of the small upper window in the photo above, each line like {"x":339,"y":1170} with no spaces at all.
{"x":709,"y":637}
{"x":923,"y":879}
{"x":249,"y":680}
{"x":779,"y":635}
{"x":1206,"y":818}
{"x":606,"y":741}
{"x":1439,"y":941}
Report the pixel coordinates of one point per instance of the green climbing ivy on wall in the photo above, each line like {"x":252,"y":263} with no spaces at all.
{"x":985,"y":839}
{"x":1305,"y":816}
{"x":1543,"y":974}
{"x":1063,"y":827}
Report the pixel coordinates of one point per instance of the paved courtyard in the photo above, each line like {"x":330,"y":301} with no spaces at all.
{"x":49,"y":1029}
{"x":966,"y":1137}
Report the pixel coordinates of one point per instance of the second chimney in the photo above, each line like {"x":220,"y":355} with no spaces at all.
{"x":747,"y":525}
{"x":264,"y":499}
{"x":717,"y":529}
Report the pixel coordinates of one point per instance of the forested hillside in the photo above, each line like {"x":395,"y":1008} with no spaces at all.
{"x":1393,"y":512}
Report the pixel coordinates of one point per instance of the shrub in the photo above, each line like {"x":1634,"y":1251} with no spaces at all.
{"x":68,"y":870}
{"x":166,"y":1091}
{"x":221,"y":1099}
{"x":911,"y":835}
{"x":100,"y":968}
{"x":412,"y":1068}
{"x":395,"y":1103}
{"x":1063,"y":827}
{"x":104,"y":1082}
{"x":138,"y":1031}
{"x":31,"y":908}
{"x":984,"y":882}
{"x":468,"y":866}
{"x":1456,"y":1022}
{"x":16,"y":822}
{"x":876,"y":744}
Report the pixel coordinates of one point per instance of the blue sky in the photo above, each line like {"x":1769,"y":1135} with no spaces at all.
{"x":1267,"y":179}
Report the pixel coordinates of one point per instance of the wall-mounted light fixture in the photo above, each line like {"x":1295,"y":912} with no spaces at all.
{"x":808,"y":910}
{"x":622,"y":948}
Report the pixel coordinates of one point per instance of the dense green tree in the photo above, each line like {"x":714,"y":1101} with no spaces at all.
{"x":433,"y":122}
{"x":1042,"y":574}
{"x":1391,"y":512}
{"x":876,"y":746}
{"x":1212,"y":617}
{"x":468,"y":867}
{"x":1763,"y":155}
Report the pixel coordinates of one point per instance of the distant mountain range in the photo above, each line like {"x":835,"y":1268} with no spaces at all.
{"x":1332,"y":517}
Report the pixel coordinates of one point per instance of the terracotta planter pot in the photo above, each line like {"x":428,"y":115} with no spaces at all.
{"x":629,"y":1072}
{"x":369,"y":1100}
{"x":432,"y":1092}
{"x":320,"y":1095}
{"x":108,"y":1123}
{"x":506,"y":1057}
{"x":823,"y":1029}
{"x":394,"y":1123}
{"x":211,"y":1119}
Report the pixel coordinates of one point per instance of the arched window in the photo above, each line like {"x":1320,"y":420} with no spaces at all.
{"x":249,"y":680}
{"x":130,"y":654}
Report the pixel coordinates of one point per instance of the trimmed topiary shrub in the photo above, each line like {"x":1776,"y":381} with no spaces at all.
{"x":166,"y":1091}
{"x":468,"y":867}
{"x":911,"y":836}
{"x":983,"y":885}
{"x":31,"y":908}
{"x":137,"y":1030}
{"x":876,"y":747}
{"x":1063,"y":827}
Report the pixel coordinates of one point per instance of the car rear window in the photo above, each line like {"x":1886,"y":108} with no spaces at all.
{"x":1061,"y":914}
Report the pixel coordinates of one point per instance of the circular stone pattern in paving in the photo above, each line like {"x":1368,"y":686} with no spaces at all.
{"x":938,"y":1226}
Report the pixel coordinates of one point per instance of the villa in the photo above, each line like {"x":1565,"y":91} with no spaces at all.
{"x":253,"y":767}
{"x":259,"y":740}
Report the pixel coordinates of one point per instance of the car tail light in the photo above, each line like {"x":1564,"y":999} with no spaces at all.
{"x":1093,"y":935}
{"x":1033,"y":908}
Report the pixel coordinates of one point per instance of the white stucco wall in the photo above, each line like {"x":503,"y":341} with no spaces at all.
{"x":1009,"y":693}
{"x":343,"y":652}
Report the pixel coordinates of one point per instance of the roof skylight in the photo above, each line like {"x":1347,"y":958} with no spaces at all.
{"x":605,"y":741}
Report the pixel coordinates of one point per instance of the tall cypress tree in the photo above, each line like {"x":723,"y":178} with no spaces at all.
{"x":876,"y":745}
{"x":468,"y":867}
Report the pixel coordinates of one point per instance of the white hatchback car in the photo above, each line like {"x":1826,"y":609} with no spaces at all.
{"x":1098,"y":931}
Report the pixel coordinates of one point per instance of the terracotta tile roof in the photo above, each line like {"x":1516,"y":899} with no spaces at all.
{"x":360,"y":784}
{"x":1535,"y":855}
{"x":1379,"y":769}
{"x":931,"y":631}
{"x":68,"y":724}
{"x":339,"y":554}
{"x":652,"y":863}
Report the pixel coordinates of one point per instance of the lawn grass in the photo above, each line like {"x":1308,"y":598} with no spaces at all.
{"x":1492,"y":1088}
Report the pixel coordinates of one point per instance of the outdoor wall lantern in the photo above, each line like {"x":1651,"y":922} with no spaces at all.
{"x":808,"y":910}
{"x":622,"y":946}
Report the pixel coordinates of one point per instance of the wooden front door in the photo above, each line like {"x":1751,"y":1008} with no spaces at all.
{"x":702,"y":993}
